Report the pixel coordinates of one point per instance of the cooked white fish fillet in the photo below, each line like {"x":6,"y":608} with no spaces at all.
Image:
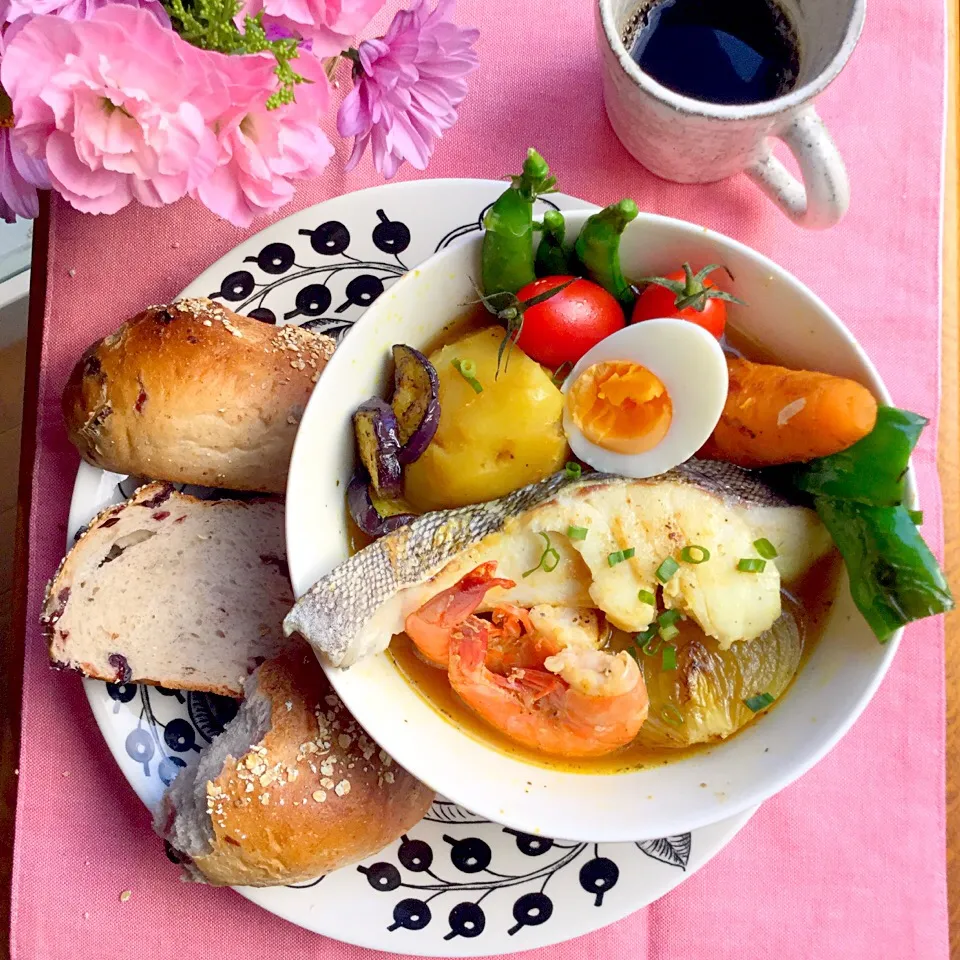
{"x":356,"y":609}
{"x":577,"y":627}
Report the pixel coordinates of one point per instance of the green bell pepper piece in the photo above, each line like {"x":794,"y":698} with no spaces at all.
{"x":872,"y":471}
{"x":894,"y":578}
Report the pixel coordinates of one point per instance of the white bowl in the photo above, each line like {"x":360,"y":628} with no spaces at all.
{"x":829,"y":694}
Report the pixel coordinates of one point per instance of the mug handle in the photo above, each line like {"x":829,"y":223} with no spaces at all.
{"x":823,"y":197}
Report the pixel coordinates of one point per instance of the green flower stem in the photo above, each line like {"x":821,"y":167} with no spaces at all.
{"x":209,"y":25}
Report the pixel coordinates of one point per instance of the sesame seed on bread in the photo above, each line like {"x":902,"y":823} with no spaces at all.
{"x":195,"y":393}
{"x":291,"y":790}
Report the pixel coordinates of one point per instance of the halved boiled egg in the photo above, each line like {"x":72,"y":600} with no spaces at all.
{"x":646,"y":398}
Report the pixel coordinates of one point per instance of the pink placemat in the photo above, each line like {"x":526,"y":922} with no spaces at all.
{"x":847,"y":863}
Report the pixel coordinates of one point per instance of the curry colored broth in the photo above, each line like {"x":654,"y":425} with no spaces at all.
{"x":809,"y":600}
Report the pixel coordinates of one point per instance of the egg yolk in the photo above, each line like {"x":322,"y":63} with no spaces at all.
{"x":620,"y":406}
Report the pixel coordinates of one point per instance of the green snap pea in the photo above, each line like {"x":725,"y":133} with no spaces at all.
{"x":507,"y":261}
{"x":598,"y":249}
{"x":552,"y":259}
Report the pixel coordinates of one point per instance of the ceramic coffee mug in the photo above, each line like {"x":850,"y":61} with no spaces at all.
{"x":693,"y":141}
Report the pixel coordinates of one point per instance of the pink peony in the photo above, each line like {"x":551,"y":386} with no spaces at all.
{"x":78,"y":9}
{"x":330,"y":24}
{"x":109,"y":104}
{"x":407,"y":87}
{"x":260,"y":150}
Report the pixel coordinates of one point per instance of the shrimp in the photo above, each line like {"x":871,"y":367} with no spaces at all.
{"x":526,"y":638}
{"x":513,"y":642}
{"x":596,"y":704}
{"x":430,"y":627}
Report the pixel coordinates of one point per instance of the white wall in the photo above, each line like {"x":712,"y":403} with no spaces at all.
{"x":15,"y":239}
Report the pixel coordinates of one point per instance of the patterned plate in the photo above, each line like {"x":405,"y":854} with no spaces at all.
{"x":456,"y":885}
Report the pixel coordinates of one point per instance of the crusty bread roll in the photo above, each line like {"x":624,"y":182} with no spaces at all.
{"x":169,"y":589}
{"x":292,"y":789}
{"x":194,"y":393}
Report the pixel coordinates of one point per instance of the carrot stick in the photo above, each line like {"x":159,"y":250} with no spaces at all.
{"x":774,"y":415}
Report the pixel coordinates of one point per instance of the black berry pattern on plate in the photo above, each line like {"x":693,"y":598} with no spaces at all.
{"x":468,"y":865}
{"x":331,"y":285}
{"x":164,"y":740}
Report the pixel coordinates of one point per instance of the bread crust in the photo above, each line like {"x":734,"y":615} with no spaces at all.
{"x":314,"y":795}
{"x":194,"y":393}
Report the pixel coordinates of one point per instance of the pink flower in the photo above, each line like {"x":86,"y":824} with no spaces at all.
{"x":109,"y":104}
{"x":260,"y":150}
{"x":330,"y":24}
{"x":407,"y":88}
{"x":19,"y":178}
{"x":19,"y":174}
{"x":78,"y":9}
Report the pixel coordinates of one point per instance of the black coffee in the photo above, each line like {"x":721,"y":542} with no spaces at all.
{"x":723,"y":51}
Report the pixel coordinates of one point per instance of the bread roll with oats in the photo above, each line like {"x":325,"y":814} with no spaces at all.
{"x":194,"y":393}
{"x":292,"y":789}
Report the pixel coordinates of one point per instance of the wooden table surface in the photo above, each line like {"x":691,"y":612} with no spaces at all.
{"x":949,"y":460}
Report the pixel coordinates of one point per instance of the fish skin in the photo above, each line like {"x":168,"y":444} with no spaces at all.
{"x":332,"y":614}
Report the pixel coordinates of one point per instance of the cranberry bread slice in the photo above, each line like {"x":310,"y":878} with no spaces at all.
{"x":168,"y":589}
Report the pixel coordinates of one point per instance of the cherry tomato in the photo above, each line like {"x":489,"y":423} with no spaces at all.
{"x":562,"y":328}
{"x":686,"y":296}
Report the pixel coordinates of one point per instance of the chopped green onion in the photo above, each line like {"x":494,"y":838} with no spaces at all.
{"x":667,"y":569}
{"x":765,"y":548}
{"x":758,"y":702}
{"x":645,"y":596}
{"x":635,"y":653}
{"x":916,"y":516}
{"x":574,"y":470}
{"x":577,"y":533}
{"x":694,"y":554}
{"x":751,"y":565}
{"x":669,"y":657}
{"x":644,"y":635}
{"x":468,"y":370}
{"x":618,"y":556}
{"x":548,"y":559}
{"x":669,"y":617}
{"x":669,"y":632}
{"x":651,"y":647}
{"x":670,"y":714}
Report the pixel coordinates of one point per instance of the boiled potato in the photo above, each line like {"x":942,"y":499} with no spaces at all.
{"x":492,"y":442}
{"x":702,"y":700}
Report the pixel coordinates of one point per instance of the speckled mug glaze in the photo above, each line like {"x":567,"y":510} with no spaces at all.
{"x":692,"y":141}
